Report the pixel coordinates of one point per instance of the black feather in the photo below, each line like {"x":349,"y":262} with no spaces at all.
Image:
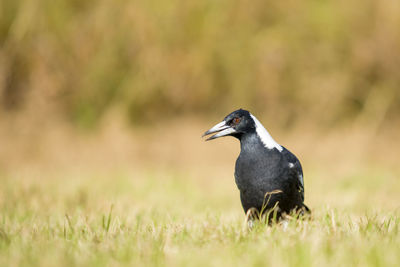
{"x":266,"y":177}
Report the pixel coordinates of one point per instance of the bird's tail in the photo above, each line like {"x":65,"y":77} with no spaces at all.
{"x":306,"y":209}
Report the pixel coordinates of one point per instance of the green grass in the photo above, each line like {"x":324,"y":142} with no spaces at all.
{"x":152,"y":219}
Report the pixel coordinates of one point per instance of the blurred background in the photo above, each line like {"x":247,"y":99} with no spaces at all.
{"x":96,"y":88}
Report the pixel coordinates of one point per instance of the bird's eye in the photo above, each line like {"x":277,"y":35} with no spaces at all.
{"x":236,"y":120}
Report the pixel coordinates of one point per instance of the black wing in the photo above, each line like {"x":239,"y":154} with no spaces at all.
{"x":295,"y":170}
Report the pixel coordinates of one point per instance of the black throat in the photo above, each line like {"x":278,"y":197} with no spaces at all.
{"x":250,"y":142}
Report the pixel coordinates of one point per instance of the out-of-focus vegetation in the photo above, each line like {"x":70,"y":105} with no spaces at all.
{"x":325,"y":61}
{"x":322,"y":76}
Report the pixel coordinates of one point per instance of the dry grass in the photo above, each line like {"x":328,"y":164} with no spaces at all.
{"x":132,"y":198}
{"x":169,"y":218}
{"x":323,"y":72}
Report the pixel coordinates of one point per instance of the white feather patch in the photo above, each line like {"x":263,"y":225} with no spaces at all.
{"x":264,"y":135}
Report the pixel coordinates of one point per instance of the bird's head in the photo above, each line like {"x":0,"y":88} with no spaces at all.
{"x":235,"y":124}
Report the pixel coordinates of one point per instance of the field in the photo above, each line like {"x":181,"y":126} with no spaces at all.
{"x":102,"y":107}
{"x":173,"y":202}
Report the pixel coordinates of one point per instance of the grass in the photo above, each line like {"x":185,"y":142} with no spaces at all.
{"x":150,"y":218}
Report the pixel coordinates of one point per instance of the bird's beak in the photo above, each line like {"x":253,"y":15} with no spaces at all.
{"x":222,"y":129}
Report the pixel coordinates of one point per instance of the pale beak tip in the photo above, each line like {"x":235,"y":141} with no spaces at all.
{"x":210,"y":138}
{"x":205,"y":134}
{"x":217,"y":128}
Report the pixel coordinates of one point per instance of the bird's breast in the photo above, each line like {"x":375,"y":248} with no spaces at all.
{"x":258,"y":170}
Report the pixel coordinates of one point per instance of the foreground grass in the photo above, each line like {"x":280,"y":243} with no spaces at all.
{"x":118,"y":219}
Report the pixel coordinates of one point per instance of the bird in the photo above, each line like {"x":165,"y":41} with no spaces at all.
{"x":268,"y":176}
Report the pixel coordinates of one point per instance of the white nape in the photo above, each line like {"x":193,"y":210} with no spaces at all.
{"x":264,"y":135}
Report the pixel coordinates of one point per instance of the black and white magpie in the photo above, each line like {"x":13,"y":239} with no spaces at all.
{"x":269,"y":176}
